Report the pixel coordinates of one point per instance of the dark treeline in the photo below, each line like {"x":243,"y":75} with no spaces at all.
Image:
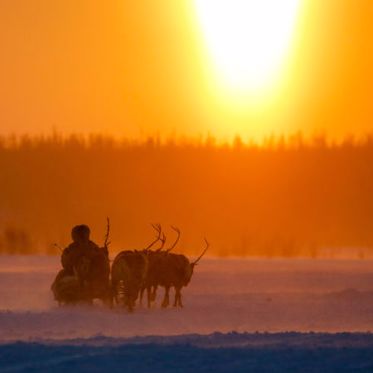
{"x":287,"y":197}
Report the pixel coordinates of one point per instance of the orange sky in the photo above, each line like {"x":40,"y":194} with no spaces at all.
{"x":141,"y":67}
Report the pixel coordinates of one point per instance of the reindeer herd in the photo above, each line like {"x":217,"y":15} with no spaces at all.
{"x":132,"y":274}
{"x":135,"y":271}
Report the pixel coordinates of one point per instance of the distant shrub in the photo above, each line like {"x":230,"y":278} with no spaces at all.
{"x":16,"y":241}
{"x":288,"y":196}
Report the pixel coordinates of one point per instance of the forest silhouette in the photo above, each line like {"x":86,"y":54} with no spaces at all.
{"x":286,"y":197}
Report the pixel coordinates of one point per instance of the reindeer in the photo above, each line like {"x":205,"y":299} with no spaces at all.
{"x":127,"y":275}
{"x":129,"y":270}
{"x":152,"y":278}
{"x":176,"y":270}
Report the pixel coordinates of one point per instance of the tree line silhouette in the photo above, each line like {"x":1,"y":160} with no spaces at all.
{"x":285,"y":197}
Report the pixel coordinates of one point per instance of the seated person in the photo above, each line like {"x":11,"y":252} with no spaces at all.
{"x":86,"y":269}
{"x":81,"y":246}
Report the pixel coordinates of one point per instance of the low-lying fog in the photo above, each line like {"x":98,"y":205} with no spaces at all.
{"x":225,"y":295}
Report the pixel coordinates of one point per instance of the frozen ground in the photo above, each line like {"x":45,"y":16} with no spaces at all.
{"x":244,"y":296}
{"x":283,"y":353}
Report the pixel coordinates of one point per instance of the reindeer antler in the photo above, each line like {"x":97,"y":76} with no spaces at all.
{"x":203,"y":253}
{"x":158,"y":229}
{"x":177,"y":230}
{"x":163,"y":240}
{"x":107,"y":241}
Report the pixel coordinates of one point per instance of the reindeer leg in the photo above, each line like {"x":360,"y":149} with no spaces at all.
{"x":141,"y":294}
{"x":106,"y":299}
{"x":107,"y":296}
{"x":180,"y":302}
{"x":149,"y":295}
{"x":154,"y":293}
{"x":178,"y":297}
{"x":117,"y":290}
{"x":166,"y":300}
{"x":113,"y":293}
{"x":109,"y":301}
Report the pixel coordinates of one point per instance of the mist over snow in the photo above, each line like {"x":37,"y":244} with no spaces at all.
{"x":327,"y":304}
{"x":224,"y":295}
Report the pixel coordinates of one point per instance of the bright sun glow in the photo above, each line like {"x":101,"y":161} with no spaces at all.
{"x":247,"y":39}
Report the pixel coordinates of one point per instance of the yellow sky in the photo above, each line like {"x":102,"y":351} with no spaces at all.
{"x":142,"y":67}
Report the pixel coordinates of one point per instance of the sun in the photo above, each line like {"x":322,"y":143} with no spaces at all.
{"x":247,"y":39}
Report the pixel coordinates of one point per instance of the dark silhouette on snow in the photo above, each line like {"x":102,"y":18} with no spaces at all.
{"x":129,"y":272}
{"x":86,"y":270}
{"x":176,"y":270}
{"x":155,"y":259}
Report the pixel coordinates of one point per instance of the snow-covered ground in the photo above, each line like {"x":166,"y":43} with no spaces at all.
{"x":224,"y":295}
{"x":226,"y":304}
{"x":233,"y":352}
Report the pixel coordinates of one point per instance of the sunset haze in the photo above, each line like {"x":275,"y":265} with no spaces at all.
{"x":143,"y":68}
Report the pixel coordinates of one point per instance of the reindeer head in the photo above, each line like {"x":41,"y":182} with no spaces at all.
{"x":200,"y":257}
{"x":190,"y":269}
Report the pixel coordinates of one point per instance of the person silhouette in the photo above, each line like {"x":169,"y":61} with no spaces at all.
{"x":86,"y":270}
{"x":81,"y":248}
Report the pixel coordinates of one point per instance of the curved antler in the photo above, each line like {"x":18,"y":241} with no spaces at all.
{"x":163,"y":240}
{"x":177,"y":230}
{"x":203,"y":253}
{"x":158,"y":228}
{"x":107,"y":235}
